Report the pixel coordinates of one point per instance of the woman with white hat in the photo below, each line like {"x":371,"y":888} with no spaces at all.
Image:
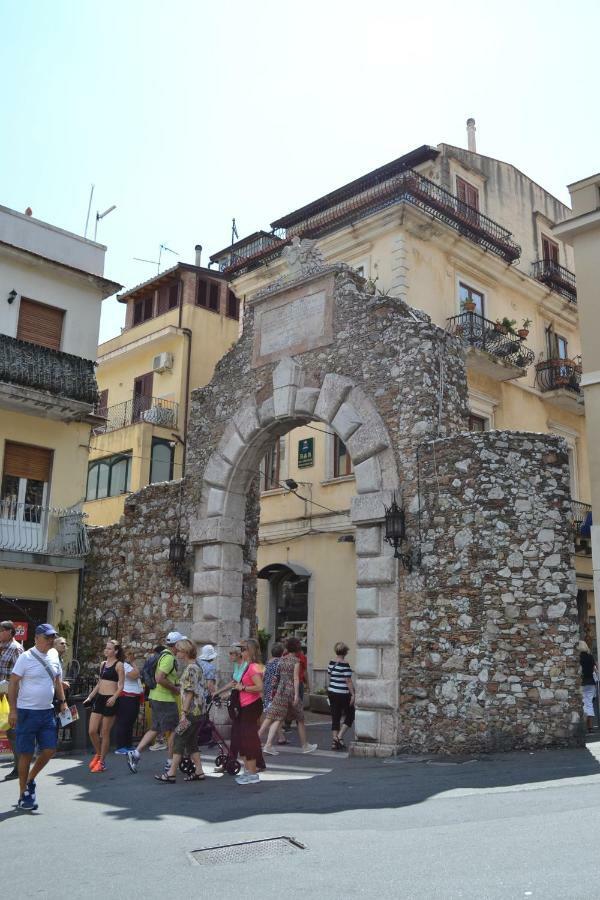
{"x":206,"y":661}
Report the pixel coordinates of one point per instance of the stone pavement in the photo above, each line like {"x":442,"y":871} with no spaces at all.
{"x":504,"y":826}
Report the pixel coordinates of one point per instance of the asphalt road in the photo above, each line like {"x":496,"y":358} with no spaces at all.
{"x":505,"y":826}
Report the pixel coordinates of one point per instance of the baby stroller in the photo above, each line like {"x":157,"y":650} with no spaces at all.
{"x":209,"y":734}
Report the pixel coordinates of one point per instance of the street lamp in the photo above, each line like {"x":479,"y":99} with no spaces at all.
{"x":177,"y":551}
{"x":395,"y":532}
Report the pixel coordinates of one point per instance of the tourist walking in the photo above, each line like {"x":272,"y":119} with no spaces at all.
{"x":103,"y":700}
{"x":244,"y":731}
{"x":163,"y":702}
{"x":193,"y":705}
{"x":206,"y":661}
{"x":340,"y":691}
{"x":33,"y":683}
{"x":287,"y":703}
{"x":10,"y":650}
{"x":270,"y":682}
{"x":129,"y":703}
{"x":589,"y":674}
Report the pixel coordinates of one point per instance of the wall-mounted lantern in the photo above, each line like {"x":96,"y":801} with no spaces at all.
{"x":177,"y":551}
{"x":395,"y":533}
{"x":11,"y":296}
{"x":108,"y":626}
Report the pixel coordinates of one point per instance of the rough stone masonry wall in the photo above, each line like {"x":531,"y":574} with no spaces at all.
{"x":487,"y":645}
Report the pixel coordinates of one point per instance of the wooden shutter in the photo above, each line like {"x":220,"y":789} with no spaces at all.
{"x":549,"y":250}
{"x":174,"y":295}
{"x":143,"y":384}
{"x":40,"y":324}
{"x":213,"y":302}
{"x":102,"y":407}
{"x":25,"y":461}
{"x":233,"y":306}
{"x":201,"y":293}
{"x":467,"y":193}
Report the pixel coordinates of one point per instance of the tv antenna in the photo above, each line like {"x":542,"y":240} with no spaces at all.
{"x":100,"y":215}
{"x":87,"y":218}
{"x":156,"y":262}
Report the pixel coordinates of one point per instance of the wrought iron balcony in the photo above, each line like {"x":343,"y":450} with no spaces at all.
{"x":153,"y":410}
{"x":558,"y":374}
{"x":556,"y":277}
{"x":581,"y":517}
{"x":51,"y":371}
{"x":491,"y":337}
{"x":29,"y":528}
{"x":407,"y":187}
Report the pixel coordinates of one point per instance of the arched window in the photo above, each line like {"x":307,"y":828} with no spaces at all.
{"x":109,"y":477}
{"x":161,"y":465}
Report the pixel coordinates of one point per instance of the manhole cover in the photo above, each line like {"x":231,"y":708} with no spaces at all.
{"x":246,"y":851}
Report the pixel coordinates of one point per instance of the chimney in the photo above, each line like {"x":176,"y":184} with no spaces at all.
{"x":471,"y":135}
{"x":29,"y":211}
{"x":198,"y":249}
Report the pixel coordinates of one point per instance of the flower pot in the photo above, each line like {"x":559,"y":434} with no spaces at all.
{"x":469,"y":306}
{"x":501,"y":329}
{"x":523,"y":333}
{"x":319,"y":703}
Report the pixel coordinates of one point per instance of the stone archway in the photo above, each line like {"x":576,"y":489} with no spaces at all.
{"x":444,"y":653}
{"x":221,"y":532}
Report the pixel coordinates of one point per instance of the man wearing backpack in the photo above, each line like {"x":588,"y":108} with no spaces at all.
{"x":163,"y":699}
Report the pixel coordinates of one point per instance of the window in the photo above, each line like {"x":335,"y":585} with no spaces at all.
{"x":467,"y":193}
{"x":468,"y":294}
{"x":213,"y":299}
{"x":109,"y":477}
{"x":558,"y":347}
{"x":168,"y":298}
{"x":161,"y":462}
{"x":25,"y":479}
{"x":40,"y":324}
{"x":549,"y":250}
{"x":342,"y":464}
{"x":233,"y":305}
{"x":202,"y":293}
{"x":270,"y":468}
{"x":478,"y":423}
{"x":143,"y":309}
{"x":142,"y":395}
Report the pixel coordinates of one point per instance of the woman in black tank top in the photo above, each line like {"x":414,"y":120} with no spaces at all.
{"x":104,"y":699}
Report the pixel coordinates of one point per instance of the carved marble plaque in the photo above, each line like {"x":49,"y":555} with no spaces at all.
{"x":292,"y":323}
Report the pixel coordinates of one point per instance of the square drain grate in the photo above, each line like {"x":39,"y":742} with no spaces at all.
{"x":246,"y":851}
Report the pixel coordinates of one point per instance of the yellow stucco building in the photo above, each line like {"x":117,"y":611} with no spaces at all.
{"x":51,"y":289}
{"x":178,"y":325}
{"x":468,"y":239}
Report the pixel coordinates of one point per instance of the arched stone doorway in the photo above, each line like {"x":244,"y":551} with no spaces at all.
{"x":290,"y":614}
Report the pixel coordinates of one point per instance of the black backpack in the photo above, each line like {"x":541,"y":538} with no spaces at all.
{"x":149,"y":669}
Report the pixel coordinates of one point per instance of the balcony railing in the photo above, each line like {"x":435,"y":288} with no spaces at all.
{"x":556,"y":277}
{"x":29,"y":528}
{"x":43,"y":369}
{"x":558,"y":374}
{"x":408,"y":187}
{"x":581,"y":522}
{"x":483,"y":334}
{"x":154,"y":410}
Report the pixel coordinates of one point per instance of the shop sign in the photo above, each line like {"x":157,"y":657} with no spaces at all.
{"x":306,"y":453}
{"x":21,"y":629}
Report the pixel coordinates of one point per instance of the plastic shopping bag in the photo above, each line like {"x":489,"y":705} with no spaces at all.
{"x":4,"y":711}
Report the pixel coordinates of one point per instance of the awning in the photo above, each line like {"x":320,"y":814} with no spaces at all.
{"x":288,"y":568}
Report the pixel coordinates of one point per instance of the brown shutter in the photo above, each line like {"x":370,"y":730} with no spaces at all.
{"x":102,"y":407}
{"x":24,"y":461}
{"x":201,"y":299}
{"x":213,"y":302}
{"x":40,"y":324}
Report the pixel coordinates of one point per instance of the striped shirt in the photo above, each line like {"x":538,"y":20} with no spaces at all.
{"x":338,"y":673}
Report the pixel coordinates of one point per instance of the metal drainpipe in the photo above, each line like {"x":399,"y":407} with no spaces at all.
{"x":188,"y":334}
{"x":78,"y":613}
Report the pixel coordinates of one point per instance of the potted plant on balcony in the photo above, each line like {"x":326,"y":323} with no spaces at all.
{"x":505,"y":325}
{"x":523,"y":331}
{"x":468,"y":306}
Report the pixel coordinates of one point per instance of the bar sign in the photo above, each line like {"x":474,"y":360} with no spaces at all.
{"x":306,"y":453}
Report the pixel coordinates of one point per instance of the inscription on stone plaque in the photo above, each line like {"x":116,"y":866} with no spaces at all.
{"x":294,"y":324}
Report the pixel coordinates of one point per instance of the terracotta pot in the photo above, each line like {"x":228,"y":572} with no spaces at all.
{"x":523,"y":333}
{"x":469,"y":306}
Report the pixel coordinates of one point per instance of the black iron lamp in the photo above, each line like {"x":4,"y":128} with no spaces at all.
{"x":177,"y":550}
{"x":395,"y":532}
{"x":109,"y":625}
{"x":11,"y":296}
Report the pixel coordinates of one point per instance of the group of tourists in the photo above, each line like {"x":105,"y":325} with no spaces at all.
{"x":179,"y":683}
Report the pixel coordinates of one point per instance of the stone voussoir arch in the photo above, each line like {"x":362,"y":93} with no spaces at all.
{"x":219,"y":533}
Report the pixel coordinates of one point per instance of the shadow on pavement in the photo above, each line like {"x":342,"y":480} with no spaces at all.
{"x":295,"y":783}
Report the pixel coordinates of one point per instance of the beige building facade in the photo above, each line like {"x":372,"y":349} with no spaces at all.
{"x":582,"y":231}
{"x":177,"y":327}
{"x":470,"y":240}
{"x":51,"y":289}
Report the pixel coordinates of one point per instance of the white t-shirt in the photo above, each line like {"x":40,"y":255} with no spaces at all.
{"x":54,"y":656}
{"x":131,"y":685}
{"x":36,"y":690}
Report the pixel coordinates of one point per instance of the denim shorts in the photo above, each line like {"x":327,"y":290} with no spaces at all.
{"x":35,"y":725}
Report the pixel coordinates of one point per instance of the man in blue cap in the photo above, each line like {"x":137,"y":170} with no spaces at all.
{"x":34,"y":681}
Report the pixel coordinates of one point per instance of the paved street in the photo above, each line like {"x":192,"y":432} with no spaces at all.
{"x":506,"y":826}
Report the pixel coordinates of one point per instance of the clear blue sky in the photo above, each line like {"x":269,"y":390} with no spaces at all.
{"x":187,"y":113}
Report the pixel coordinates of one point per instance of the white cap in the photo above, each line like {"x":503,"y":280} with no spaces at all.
{"x":208,"y":653}
{"x":174,"y":636}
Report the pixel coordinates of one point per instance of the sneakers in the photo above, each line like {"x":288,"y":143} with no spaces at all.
{"x":122,"y":751}
{"x":98,"y":766}
{"x":309,"y":748}
{"x":27,"y":800}
{"x":133,"y":758}
{"x":246,"y":778}
{"x":93,"y":761}
{"x":270,"y":751}
{"x":11,"y":775}
{"x":158,"y":745}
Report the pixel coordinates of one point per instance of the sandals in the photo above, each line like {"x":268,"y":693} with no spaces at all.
{"x":338,"y":744}
{"x":195,"y":777}
{"x":166,"y":779}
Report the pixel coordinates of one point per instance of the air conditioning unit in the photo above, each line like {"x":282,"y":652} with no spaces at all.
{"x":162,"y":362}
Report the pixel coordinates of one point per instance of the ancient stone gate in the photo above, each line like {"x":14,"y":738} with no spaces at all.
{"x":474,"y":648}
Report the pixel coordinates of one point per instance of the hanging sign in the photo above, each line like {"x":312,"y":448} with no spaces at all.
{"x":21,"y":629}
{"x":306,"y":453}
